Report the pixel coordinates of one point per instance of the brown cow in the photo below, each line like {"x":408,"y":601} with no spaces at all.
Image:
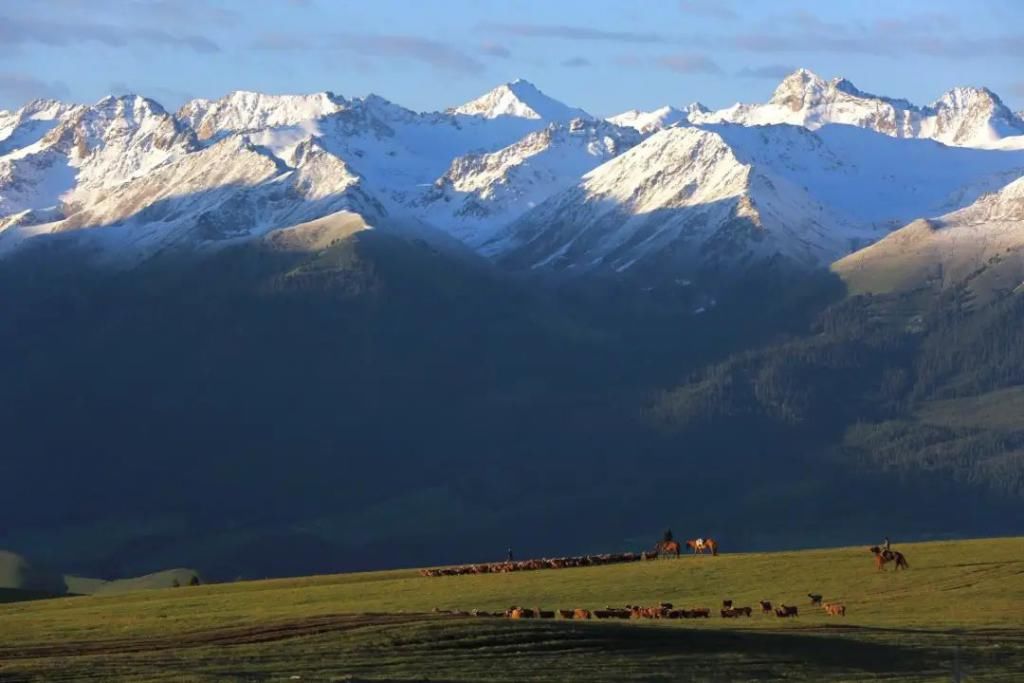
{"x":521,"y":613}
{"x":815,"y":598}
{"x":726,"y":604}
{"x":835,"y":609}
{"x":729,"y":613}
{"x":565,"y":613}
{"x":545,"y":614}
{"x":581,"y":614}
{"x":701,"y":612}
{"x":745,"y":611}
{"x":766,"y":606}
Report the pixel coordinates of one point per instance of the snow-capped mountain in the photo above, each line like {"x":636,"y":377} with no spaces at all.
{"x":981,"y":245}
{"x":70,"y":155}
{"x":519,"y":99}
{"x":723,"y":194}
{"x":243,"y":111}
{"x":651,"y":121}
{"x":967,"y":117}
{"x":514,"y":174}
{"x":647,"y":122}
{"x":479,"y":193}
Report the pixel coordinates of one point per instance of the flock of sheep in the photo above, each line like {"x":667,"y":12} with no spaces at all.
{"x":530,"y":565}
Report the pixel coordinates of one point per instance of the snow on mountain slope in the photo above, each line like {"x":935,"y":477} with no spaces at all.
{"x":481,"y":192}
{"x":230,"y":190}
{"x":647,"y":122}
{"x":981,"y":245}
{"x":96,"y":166}
{"x":87,"y":149}
{"x":967,"y":117}
{"x":29,"y":124}
{"x":514,"y":173}
{"x":243,"y":111}
{"x":728,"y":193}
{"x":683,"y":195}
{"x":520,"y":99}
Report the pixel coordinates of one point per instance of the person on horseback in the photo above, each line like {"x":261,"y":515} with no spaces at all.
{"x":885,"y":544}
{"x":667,"y":536}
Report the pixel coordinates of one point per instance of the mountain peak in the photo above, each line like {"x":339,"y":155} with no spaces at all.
{"x":797,"y":87}
{"x":519,"y":99}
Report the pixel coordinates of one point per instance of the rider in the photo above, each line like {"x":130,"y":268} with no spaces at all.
{"x":885,"y":544}
{"x":667,"y":536}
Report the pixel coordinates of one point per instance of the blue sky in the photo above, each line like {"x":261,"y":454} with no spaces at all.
{"x":427,"y":55}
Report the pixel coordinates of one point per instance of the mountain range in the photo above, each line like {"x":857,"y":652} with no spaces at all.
{"x":278,"y":334}
{"x":817,"y":172}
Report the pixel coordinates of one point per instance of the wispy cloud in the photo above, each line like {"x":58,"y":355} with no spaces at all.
{"x":929,"y":34}
{"x":577,"y":62}
{"x":14,"y":31}
{"x":568,"y":32}
{"x":708,"y":8}
{"x":495,"y":50}
{"x":21,"y":87}
{"x":283,"y":42}
{"x":387,"y":46}
{"x":770,"y":71}
{"x":428,"y":51}
{"x":688,"y":64}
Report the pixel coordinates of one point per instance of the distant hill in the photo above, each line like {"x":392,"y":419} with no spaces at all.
{"x":18,"y":574}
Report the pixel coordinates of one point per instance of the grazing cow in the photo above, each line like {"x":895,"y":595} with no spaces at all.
{"x":745,"y":611}
{"x":565,"y":613}
{"x":835,"y":609}
{"x":766,"y":606}
{"x":701,"y":612}
{"x":815,"y":598}
{"x":726,"y":604}
{"x":581,"y":614}
{"x":602,"y":614}
{"x":521,"y":613}
{"x":545,"y":614}
{"x":729,"y":613}
{"x":786,"y":611}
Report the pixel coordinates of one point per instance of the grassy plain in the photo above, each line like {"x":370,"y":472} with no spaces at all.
{"x":961,"y":605}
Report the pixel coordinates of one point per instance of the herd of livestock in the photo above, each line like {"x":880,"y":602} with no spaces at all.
{"x":530,"y":565}
{"x":663,"y":610}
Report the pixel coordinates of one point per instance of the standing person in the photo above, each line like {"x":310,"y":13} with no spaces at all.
{"x":510,"y":554}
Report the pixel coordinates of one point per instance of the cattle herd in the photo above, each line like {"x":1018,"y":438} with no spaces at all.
{"x":530,"y":565}
{"x":664,"y":610}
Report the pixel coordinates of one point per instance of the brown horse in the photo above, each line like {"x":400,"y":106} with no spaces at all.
{"x":667,"y":547}
{"x":883,"y":557}
{"x":703,"y":545}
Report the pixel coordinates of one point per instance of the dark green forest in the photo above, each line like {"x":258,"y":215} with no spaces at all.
{"x":383,"y":403}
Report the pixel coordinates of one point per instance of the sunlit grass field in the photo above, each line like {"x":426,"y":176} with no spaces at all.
{"x":960,"y":606}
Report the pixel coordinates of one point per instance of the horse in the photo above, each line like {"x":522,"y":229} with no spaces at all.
{"x":667,"y":547}
{"x":883,"y":557}
{"x":703,"y":545}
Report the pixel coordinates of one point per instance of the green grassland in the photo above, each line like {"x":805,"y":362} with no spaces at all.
{"x":960,"y":601}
